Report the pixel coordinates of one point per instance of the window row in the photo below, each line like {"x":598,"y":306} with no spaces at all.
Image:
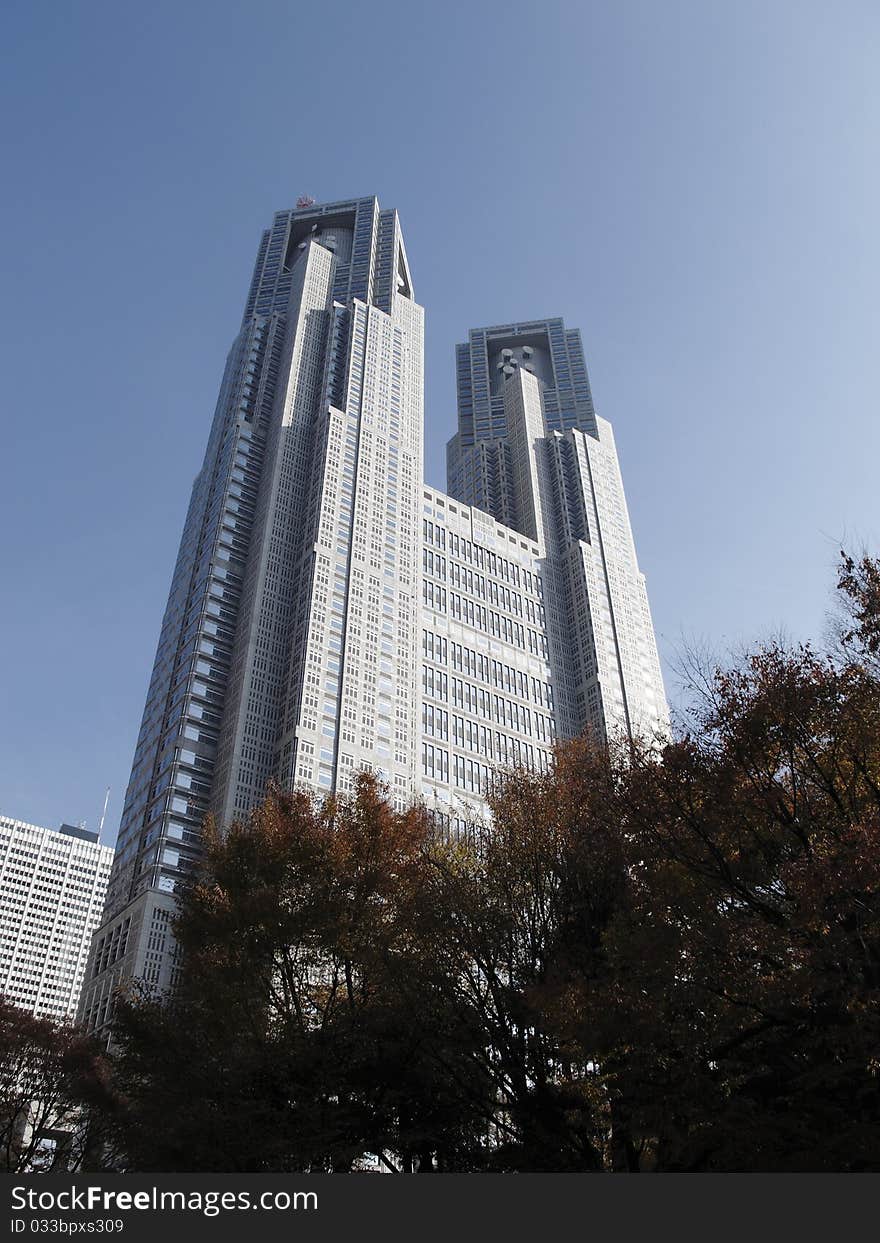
{"x":491,"y":707}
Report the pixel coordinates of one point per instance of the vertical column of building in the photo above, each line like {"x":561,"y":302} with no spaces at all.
{"x":354,"y":699}
{"x":173,"y":771}
{"x":529,"y":482}
{"x":532,"y":501}
{"x":312,"y":676}
{"x":403,"y":508}
{"x":628,"y":687}
{"x":253,"y":719}
{"x":615,"y":685}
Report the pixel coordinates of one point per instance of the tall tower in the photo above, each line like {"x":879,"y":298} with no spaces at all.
{"x":329,"y":612}
{"x":290,"y":628}
{"x":531,"y":450}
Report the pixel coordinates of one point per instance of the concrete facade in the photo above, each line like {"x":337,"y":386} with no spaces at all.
{"x":52,"y":890}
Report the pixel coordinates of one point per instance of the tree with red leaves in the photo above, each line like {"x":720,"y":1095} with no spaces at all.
{"x":52,"y":1079}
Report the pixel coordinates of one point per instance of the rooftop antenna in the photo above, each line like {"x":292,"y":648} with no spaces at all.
{"x":103,"y":813}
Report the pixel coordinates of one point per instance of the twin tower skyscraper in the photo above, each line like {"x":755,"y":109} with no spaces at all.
{"x":329,"y":612}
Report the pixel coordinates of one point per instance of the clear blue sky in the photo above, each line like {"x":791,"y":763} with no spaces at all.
{"x":693,"y":184}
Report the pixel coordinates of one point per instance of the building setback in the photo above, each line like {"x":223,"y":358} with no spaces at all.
{"x":330,"y":613}
{"x":52,"y":890}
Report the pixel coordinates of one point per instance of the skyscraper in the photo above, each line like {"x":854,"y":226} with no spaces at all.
{"x":329,"y":612}
{"x":531,"y":450}
{"x":52,"y":888}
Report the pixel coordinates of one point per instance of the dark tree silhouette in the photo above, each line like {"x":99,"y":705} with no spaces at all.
{"x":662,"y":957}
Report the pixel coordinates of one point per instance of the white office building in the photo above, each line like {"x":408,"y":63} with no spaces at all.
{"x":328,"y":612}
{"x":52,"y":890}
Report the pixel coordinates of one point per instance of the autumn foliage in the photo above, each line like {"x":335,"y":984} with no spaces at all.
{"x":55,"y":1085}
{"x":656,"y":960}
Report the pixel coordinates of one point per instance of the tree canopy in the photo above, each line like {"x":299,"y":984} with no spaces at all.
{"x":659,"y":958}
{"x":55,"y":1086}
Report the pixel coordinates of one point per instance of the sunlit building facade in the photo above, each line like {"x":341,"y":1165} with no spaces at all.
{"x":52,"y":890}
